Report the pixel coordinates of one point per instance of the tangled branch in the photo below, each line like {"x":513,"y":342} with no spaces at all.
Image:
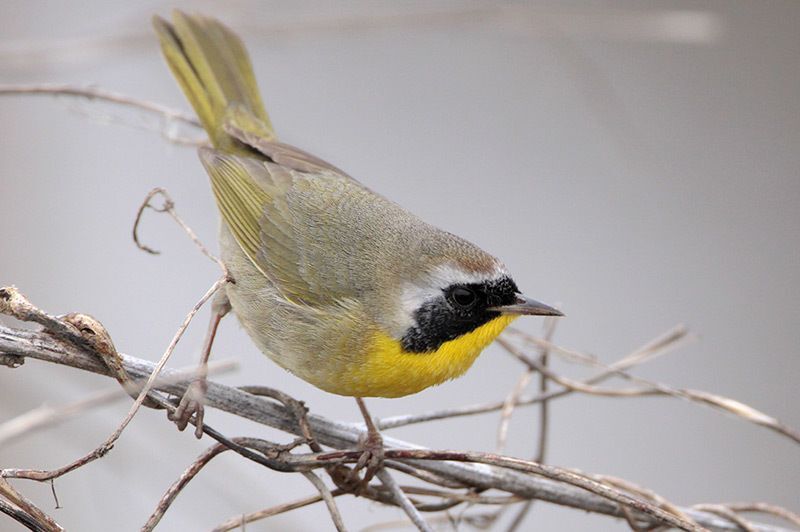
{"x":522,"y":479}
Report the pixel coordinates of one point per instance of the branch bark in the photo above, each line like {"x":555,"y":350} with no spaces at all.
{"x":42,"y":346}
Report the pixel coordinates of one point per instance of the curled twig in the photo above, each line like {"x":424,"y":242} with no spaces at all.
{"x":169,"y":207}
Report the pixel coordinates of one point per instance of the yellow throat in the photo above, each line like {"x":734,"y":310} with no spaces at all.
{"x":390,"y":371}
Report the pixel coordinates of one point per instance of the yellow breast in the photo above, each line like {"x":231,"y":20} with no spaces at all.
{"x":387,"y":370}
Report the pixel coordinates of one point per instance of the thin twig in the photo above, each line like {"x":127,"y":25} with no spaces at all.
{"x":169,"y":496}
{"x":273,"y":455}
{"x":298,"y":408}
{"x":544,"y":411}
{"x":326,"y":495}
{"x":167,"y":115}
{"x":651,"y":388}
{"x":727,"y":513}
{"x":646,"y":494}
{"x":509,"y":404}
{"x":102,"y":449}
{"x":548,"y":471}
{"x":240,"y":520}
{"x":425,"y":476}
{"x":402,"y":500}
{"x":765,"y":508}
{"x":649,"y":350}
{"x":462,"y":497}
{"x":544,"y":418}
{"x":46,"y":416}
{"x":169,"y":207}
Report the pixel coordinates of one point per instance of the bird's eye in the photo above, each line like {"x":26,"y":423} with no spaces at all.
{"x":463,"y":297}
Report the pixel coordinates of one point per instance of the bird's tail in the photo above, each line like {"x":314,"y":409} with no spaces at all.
{"x":213,"y":69}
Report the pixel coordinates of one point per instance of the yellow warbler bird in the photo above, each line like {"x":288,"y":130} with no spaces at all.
{"x":333,"y":282}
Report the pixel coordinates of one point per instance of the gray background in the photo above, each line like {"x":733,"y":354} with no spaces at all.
{"x":636,"y":162}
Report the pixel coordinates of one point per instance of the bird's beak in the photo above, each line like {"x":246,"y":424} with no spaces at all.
{"x":525,"y":306}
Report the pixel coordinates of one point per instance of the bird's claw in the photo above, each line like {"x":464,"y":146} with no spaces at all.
{"x":371,"y":461}
{"x":191,"y":404}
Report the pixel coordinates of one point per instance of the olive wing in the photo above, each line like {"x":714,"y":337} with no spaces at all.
{"x":285,"y":222}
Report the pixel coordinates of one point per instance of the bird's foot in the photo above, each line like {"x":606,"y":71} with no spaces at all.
{"x":191,"y":404}
{"x":370,"y":461}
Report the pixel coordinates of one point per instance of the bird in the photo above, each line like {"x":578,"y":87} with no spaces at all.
{"x":332,"y":281}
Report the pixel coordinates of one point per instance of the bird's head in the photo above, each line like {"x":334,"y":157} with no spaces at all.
{"x":459,"y":295}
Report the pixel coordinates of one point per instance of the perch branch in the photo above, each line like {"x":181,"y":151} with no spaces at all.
{"x":14,"y":304}
{"x":46,"y":416}
{"x":43,"y":346}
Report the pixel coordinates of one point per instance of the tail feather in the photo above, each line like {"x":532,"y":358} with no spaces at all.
{"x":213,"y":69}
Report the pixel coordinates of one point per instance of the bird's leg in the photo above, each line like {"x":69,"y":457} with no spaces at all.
{"x":193,"y":398}
{"x":371,"y":459}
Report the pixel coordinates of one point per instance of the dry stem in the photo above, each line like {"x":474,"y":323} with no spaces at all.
{"x":168,"y":116}
{"x":19,"y":307}
{"x":603,"y":498}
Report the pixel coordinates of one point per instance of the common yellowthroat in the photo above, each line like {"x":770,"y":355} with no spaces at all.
{"x":332,"y":281}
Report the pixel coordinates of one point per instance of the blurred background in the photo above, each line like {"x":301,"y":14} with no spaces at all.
{"x":636,"y":162}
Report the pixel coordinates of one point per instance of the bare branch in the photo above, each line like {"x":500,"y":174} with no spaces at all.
{"x":403,"y":501}
{"x":508,"y":408}
{"x":169,"y":117}
{"x":330,"y":433}
{"x":725,"y":404}
{"x":15,"y":304}
{"x":727,"y":513}
{"x":42,"y":520}
{"x":23,"y":518}
{"x":46,"y":416}
{"x":173,"y":491}
{"x":765,"y":508}
{"x":544,"y":417}
{"x":240,"y":520}
{"x":648,"y":351}
{"x":326,"y":495}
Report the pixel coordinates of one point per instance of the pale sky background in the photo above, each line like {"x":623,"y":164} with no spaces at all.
{"x":635,"y":162}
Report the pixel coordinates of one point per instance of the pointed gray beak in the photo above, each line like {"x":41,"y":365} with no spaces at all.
{"x":528,"y":307}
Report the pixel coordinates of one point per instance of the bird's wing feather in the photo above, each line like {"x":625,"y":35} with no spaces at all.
{"x":280,"y":230}
{"x":240,"y":124}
